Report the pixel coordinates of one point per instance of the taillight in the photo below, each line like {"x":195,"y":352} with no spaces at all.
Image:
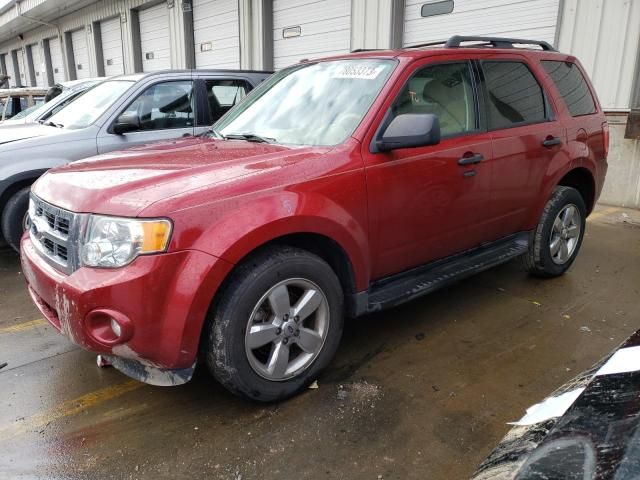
{"x":605,"y":138}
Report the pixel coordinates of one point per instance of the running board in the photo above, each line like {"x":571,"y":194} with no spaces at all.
{"x":414,"y":283}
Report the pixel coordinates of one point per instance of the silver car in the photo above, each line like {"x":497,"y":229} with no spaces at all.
{"x":116,"y":114}
{"x":57,"y":97}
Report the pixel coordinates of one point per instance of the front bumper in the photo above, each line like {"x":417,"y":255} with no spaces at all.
{"x":161,"y":300}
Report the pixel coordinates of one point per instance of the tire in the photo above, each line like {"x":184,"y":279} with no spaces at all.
{"x":248,"y":299}
{"x":546,"y":256}
{"x":13,"y":217}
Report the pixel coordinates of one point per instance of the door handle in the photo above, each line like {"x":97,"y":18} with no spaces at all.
{"x":551,"y":142}
{"x":470,"y":159}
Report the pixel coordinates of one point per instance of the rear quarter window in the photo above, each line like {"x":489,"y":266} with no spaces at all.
{"x":514,"y":96}
{"x":572,"y":86}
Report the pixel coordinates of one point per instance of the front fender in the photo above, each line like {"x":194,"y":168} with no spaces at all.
{"x":245,"y":227}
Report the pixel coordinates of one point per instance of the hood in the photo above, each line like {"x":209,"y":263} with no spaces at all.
{"x":126,"y":182}
{"x":13,"y":133}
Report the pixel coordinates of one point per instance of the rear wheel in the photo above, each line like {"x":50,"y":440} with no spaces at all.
{"x":276,"y":325}
{"x":557,"y":239}
{"x":14,"y":218}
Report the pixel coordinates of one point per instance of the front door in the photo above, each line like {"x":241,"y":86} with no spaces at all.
{"x":427,"y":203}
{"x":164,"y":111}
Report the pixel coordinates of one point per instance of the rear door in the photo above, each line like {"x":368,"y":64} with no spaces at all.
{"x":165,"y":110}
{"x":430,"y":202}
{"x":525,"y":135}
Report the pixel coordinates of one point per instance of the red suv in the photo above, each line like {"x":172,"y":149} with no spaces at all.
{"x":337,"y":188}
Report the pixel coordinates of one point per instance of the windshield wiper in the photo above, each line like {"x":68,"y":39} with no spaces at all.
{"x":51,"y":124}
{"x":249,"y":137}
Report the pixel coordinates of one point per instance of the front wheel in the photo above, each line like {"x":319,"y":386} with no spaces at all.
{"x":556,"y":241}
{"x":276,"y":325}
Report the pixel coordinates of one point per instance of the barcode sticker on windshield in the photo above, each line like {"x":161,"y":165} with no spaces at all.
{"x":364,"y":72}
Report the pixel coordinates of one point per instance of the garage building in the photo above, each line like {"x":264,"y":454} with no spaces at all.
{"x":48,"y":41}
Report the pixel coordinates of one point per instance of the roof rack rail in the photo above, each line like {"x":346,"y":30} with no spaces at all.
{"x":359,"y":50}
{"x":498,"y":42}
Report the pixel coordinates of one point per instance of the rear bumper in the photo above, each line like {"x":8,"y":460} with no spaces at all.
{"x":160,"y":301}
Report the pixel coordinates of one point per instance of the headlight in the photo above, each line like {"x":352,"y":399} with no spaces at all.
{"x":112,"y":242}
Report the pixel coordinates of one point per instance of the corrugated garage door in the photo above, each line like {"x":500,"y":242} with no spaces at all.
{"x":216,"y":33}
{"x":80,"y":53}
{"x":57,"y":62}
{"x":154,"y":38}
{"x":38,"y":66}
{"x":21,"y":78}
{"x":111,"y":38}
{"x":534,"y":19}
{"x":310,"y":29}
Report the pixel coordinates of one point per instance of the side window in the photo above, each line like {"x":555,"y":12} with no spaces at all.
{"x":444,"y":90}
{"x":224,"y":94}
{"x":163,"y":106}
{"x":572,"y":86}
{"x":514,"y":96}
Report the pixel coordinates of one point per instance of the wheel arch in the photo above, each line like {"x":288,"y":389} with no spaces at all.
{"x":16,"y":182}
{"x":13,"y":184}
{"x":583,"y":181}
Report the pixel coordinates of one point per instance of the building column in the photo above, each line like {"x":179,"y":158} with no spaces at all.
{"x":256,"y":34}
{"x":632,"y":130}
{"x":46,"y":51}
{"x":70,"y":70}
{"x":376,"y":24}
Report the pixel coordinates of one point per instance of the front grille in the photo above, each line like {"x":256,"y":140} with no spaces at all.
{"x":53,"y":231}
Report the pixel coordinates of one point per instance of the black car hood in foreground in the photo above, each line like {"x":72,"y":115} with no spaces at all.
{"x":597,"y":437}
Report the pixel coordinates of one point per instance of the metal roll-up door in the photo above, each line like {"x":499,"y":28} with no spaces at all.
{"x":21,"y":79}
{"x":216,"y":33}
{"x":154,"y":38}
{"x":310,"y":29}
{"x":534,"y":19}
{"x":38,"y":66}
{"x":80,"y":53}
{"x":57,"y":59}
{"x":111,"y":38}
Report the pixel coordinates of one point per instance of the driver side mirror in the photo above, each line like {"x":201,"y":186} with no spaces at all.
{"x":410,"y":130}
{"x":127,"y":122}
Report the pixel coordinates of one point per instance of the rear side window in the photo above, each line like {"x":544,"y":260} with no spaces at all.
{"x":224,"y":94}
{"x":514,"y":96}
{"x":572,"y":87}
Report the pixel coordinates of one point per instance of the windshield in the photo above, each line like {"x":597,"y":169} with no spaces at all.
{"x":311,"y":104}
{"x":91,"y":105}
{"x":26,"y":112}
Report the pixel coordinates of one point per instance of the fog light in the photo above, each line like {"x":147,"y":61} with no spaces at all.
{"x":115,"y":327}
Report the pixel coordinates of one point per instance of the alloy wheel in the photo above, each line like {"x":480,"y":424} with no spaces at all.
{"x":287,"y":329}
{"x":565,"y":234}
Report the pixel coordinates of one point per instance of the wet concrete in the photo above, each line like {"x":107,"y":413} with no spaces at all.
{"x":420,"y":391}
